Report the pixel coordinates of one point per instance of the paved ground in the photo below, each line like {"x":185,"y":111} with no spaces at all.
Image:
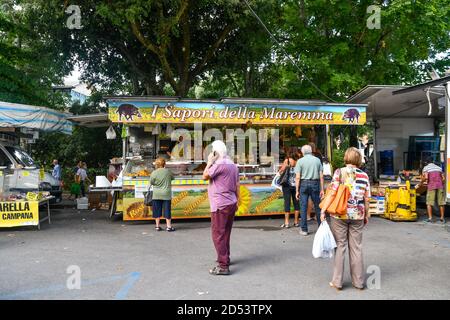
{"x":131,"y":261}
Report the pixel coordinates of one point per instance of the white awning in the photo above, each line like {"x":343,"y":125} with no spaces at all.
{"x":383,"y":104}
{"x":15,"y":115}
{"x":95,"y":120}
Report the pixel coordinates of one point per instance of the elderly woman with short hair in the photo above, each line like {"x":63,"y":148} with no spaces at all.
{"x":347,"y":229}
{"x":161,"y":180}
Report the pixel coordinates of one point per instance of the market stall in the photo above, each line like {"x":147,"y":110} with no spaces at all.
{"x":410,"y":126}
{"x":258,"y":133}
{"x":18,"y":209}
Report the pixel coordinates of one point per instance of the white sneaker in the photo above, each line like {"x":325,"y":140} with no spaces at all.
{"x":303,"y":233}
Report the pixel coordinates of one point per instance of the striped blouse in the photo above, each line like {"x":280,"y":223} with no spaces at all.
{"x":359,"y":186}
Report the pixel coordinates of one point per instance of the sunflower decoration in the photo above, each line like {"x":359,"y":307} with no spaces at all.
{"x":136,"y":210}
{"x":245,"y":198}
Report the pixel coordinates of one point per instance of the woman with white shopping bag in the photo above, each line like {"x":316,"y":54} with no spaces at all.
{"x":324,"y":244}
{"x":347,"y":227}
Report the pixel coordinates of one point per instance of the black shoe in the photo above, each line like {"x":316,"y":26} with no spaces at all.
{"x":170,"y":229}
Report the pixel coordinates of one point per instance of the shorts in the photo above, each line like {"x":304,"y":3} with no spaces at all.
{"x":431,"y":196}
{"x":162,"y":207}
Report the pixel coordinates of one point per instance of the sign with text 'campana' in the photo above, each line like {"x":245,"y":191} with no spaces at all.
{"x":19,"y":213}
{"x":123,"y":111}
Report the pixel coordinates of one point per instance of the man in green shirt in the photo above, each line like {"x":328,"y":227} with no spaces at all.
{"x":308,"y":183}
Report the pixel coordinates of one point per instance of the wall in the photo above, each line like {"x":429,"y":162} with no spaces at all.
{"x":393,"y":134}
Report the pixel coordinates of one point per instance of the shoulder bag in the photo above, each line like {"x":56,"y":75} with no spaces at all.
{"x":148,"y":197}
{"x":284,"y":178}
{"x":335,"y":202}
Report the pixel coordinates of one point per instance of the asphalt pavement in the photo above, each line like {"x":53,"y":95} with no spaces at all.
{"x":122,"y":260}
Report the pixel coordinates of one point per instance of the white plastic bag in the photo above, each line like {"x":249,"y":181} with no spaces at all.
{"x":324,"y":243}
{"x":111,"y":133}
{"x":275,"y":182}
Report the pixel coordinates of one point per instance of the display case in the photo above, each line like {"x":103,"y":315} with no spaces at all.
{"x":20,"y":197}
{"x":16,"y":184}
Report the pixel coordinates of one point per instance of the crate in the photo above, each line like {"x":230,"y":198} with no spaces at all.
{"x":82,"y":203}
{"x":377,"y":205}
{"x":83,"y":207}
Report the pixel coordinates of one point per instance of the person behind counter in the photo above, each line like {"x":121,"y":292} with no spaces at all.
{"x":161,"y":180}
{"x":289,"y":190}
{"x":114,"y":169}
{"x":223,"y":193}
{"x":181,"y":150}
{"x":435,"y":178}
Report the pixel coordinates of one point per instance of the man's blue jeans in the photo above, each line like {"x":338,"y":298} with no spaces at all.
{"x":309,"y":188}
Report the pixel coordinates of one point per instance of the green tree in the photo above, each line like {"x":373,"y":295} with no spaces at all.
{"x":27,"y":68}
{"x":145,"y":44}
{"x":85,"y":144}
{"x":331,"y":42}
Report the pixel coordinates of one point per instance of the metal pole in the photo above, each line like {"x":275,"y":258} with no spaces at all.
{"x":447,"y":139}
{"x":375,"y":151}
{"x":124,"y":150}
{"x":328,"y":142}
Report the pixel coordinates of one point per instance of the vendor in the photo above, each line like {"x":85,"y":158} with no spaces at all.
{"x":181,"y":150}
{"x":115,"y":166}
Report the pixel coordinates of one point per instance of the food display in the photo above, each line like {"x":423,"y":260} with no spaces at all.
{"x":36,"y":196}
{"x":141,"y":173}
{"x":138,"y":168}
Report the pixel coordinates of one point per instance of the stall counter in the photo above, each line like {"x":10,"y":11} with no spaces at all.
{"x":190,"y":199}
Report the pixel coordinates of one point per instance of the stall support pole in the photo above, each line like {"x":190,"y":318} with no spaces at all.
{"x":447,"y":139}
{"x":113,"y":204}
{"x":124,"y":148}
{"x":328,"y":141}
{"x":375,"y":152}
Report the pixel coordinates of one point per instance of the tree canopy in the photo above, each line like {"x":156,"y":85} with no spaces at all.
{"x":216,"y":48}
{"x":27,"y":68}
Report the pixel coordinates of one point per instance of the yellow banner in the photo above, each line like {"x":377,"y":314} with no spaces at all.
{"x":259,"y":114}
{"x":19,"y":213}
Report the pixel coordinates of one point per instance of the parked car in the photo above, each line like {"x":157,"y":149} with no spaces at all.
{"x":22,"y":172}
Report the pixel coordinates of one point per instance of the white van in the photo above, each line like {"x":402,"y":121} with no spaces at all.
{"x":22,"y":173}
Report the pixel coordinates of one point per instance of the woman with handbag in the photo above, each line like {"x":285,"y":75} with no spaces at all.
{"x":161,"y":181}
{"x":347,"y":201}
{"x":287,"y":182}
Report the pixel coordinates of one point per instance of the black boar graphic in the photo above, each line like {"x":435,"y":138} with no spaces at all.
{"x":128,"y":111}
{"x":351,"y":115}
